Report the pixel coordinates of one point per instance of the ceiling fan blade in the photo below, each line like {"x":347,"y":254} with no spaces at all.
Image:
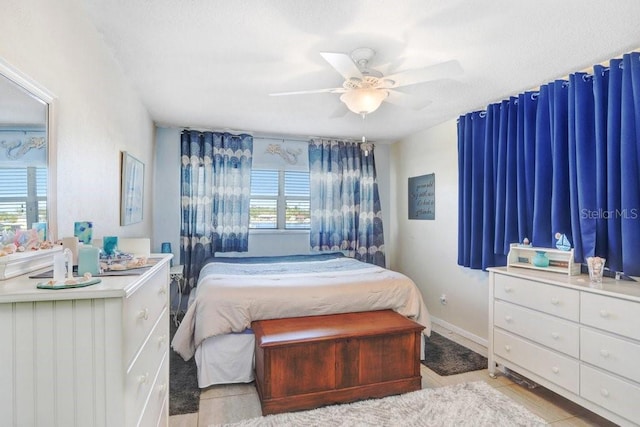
{"x":340,"y":111}
{"x":410,"y":77}
{"x":343,"y":64}
{"x":305,"y":92}
{"x":403,"y":100}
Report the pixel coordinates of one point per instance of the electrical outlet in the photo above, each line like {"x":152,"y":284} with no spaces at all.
{"x":443,"y":299}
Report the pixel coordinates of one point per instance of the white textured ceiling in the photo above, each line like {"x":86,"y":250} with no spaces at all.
{"x":211,"y":64}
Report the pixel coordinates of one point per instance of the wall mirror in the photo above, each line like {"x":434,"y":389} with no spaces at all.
{"x":27,"y":157}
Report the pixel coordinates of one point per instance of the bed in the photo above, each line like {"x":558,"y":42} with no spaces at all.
{"x":233,"y":292}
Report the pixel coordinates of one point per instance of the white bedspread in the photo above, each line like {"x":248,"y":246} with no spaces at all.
{"x":230,"y":296}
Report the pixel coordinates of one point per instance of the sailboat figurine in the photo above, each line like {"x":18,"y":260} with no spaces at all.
{"x":562,"y":242}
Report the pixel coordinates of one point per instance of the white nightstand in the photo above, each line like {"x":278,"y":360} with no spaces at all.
{"x":176,"y":274}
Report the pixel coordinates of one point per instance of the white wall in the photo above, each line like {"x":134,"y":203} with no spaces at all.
{"x":166,"y":204}
{"x":98,"y":114}
{"x":426,"y":250}
{"x":166,"y":198}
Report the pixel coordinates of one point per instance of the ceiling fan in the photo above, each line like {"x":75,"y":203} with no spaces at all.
{"x":364,"y":88}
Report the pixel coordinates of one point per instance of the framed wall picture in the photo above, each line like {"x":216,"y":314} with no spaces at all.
{"x":422,"y":197}
{"x":132,"y":189}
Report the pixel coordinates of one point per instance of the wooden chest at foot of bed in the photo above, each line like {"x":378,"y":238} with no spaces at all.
{"x":307,"y":362}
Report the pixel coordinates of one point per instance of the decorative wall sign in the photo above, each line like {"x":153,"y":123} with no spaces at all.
{"x":23,"y":148}
{"x":422,"y":197}
{"x":289,"y":155}
{"x":269,"y":153}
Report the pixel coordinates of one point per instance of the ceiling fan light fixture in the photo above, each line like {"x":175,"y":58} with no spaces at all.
{"x":364,"y":100}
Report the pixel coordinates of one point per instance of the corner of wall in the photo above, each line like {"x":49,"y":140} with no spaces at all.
{"x":426,"y":250}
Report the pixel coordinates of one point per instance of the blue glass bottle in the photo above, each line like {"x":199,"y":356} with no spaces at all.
{"x":540,"y":259}
{"x":165,"y":248}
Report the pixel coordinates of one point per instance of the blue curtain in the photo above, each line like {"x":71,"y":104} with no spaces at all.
{"x":215,"y":189}
{"x":345,"y":204}
{"x":563,"y":159}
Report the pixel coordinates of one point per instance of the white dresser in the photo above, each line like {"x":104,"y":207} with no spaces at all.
{"x":93,"y":356}
{"x":580,"y":341}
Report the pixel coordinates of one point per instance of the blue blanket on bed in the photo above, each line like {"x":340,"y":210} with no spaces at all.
{"x":272,"y":259}
{"x":290,"y":264}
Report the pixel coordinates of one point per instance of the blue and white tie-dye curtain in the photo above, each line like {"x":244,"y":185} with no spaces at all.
{"x":215,"y":190}
{"x":345,"y":204}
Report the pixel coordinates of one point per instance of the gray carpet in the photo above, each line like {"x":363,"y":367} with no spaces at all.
{"x":184,"y":394}
{"x":446,"y":357}
{"x":469,"y":404}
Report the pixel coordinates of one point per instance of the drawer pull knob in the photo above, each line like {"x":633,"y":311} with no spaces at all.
{"x":162,"y":339}
{"x":604,"y":392}
{"x":142,"y":379}
{"x":507,"y":347}
{"x":555,"y":335}
{"x":508,"y":289}
{"x":604,"y":353}
{"x":508,"y":318}
{"x":555,"y":301}
{"x":162,"y":388}
{"x":555,"y":369}
{"x":162,"y":291}
{"x":604,"y":313}
{"x":143,"y":314}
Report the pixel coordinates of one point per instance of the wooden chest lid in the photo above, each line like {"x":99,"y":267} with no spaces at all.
{"x":331,"y":327}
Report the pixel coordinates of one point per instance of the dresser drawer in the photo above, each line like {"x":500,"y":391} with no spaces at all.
{"x":559,"y":369}
{"x":154,"y":413}
{"x":141,"y":311}
{"x":547,"y":330}
{"x":555,"y":300}
{"x":611,"y":314}
{"x":142,"y":373}
{"x":613,"y":354}
{"x":616,"y":395}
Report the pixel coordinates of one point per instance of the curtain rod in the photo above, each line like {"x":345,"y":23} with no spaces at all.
{"x":589,"y":70}
{"x":295,"y":138}
{"x":254,"y":134}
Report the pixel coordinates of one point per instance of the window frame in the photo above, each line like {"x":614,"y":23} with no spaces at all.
{"x":32,"y":201}
{"x":281,"y":204}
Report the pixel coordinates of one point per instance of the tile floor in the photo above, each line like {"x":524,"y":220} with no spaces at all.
{"x":230,"y":403}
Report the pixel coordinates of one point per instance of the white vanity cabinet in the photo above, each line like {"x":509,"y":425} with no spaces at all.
{"x":580,"y":341}
{"x":93,"y":356}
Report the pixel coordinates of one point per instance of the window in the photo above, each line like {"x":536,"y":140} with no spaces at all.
{"x":23,"y":197}
{"x":279,"y":199}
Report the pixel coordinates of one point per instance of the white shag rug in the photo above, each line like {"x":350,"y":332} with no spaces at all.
{"x":467,"y":404}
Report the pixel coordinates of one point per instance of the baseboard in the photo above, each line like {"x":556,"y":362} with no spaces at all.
{"x":461,"y":336}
